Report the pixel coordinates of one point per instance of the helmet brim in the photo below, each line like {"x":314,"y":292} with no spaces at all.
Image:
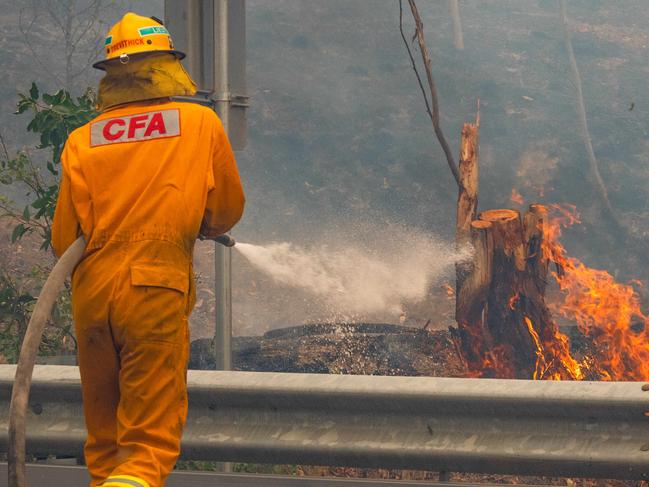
{"x":102,"y":64}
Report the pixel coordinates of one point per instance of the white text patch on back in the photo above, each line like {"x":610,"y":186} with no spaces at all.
{"x":138,"y":127}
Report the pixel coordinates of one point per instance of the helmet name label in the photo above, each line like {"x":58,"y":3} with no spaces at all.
{"x":156,"y":29}
{"x":133,"y":128}
{"x":124,"y":44}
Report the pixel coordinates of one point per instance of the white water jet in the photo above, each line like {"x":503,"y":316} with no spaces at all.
{"x":356,"y":280}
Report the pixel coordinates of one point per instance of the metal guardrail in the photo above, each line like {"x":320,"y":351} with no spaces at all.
{"x":568,"y":429}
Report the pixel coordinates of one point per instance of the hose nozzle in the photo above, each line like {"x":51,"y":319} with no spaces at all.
{"x":225,"y":240}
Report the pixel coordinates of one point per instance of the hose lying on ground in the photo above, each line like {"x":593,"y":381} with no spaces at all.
{"x":23,"y":379}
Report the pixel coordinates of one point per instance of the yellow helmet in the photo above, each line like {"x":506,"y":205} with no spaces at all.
{"x":136,"y":35}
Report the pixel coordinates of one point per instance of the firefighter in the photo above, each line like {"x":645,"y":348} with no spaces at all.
{"x":140,"y":182}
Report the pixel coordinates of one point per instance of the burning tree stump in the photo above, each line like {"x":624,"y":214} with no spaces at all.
{"x":512,"y":293}
{"x":505,"y":328}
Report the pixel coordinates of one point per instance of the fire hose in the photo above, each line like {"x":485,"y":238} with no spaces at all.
{"x":29,"y":350}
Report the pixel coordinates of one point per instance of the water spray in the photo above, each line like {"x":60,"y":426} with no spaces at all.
{"x":357,"y":277}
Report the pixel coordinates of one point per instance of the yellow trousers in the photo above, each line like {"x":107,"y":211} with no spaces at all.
{"x":131,"y":318}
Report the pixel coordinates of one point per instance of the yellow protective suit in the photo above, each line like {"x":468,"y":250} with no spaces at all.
{"x":140,"y":182}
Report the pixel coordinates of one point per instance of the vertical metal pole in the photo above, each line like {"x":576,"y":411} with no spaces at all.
{"x":212,"y":32}
{"x":222,"y":255}
{"x":196,"y":49}
{"x":223,"y":308}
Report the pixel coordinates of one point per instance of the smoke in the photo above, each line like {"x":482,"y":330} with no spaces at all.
{"x":359,"y":278}
{"x":536,"y":169}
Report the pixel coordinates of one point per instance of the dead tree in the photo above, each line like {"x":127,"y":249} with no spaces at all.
{"x":505,"y":328}
{"x":593,"y":165}
{"x":458,"y":38}
{"x":472,"y":278}
{"x":467,"y":203}
{"x":74,"y":26}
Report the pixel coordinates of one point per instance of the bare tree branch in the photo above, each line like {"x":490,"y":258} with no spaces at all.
{"x":434,"y":114}
{"x":413,"y":62}
{"x":26,"y":36}
{"x":581,"y":107}
{"x":77,"y":24}
{"x":4,"y":147}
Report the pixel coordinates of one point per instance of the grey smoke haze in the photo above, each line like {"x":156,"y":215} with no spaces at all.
{"x":338,"y":131}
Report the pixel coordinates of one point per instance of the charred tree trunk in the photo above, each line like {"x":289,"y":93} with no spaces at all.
{"x":512,"y":342}
{"x":473,"y":284}
{"x":472,"y":278}
{"x":467,"y":202}
{"x":505,"y":328}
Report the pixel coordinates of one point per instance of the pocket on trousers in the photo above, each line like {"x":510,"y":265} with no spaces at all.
{"x":153,"y":308}
{"x":160,"y":276}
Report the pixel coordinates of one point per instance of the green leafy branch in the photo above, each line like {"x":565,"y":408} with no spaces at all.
{"x":15,"y":308}
{"x":16,"y":305}
{"x":36,"y":171}
{"x":54,"y":117}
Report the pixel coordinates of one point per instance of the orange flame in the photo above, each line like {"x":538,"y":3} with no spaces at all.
{"x":498,"y":363}
{"x":448,"y":289}
{"x":554,"y":361}
{"x":513,"y":300}
{"x":606,"y":311}
{"x":516,"y":197}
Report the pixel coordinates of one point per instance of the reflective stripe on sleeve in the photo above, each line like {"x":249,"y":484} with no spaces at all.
{"x":124,"y":481}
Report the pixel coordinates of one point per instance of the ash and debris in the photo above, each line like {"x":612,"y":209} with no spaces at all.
{"x":362,"y":349}
{"x":341,"y":348}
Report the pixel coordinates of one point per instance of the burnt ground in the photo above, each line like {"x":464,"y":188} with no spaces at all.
{"x":364,"y":349}
{"x":346,"y":348}
{"x":351,"y":348}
